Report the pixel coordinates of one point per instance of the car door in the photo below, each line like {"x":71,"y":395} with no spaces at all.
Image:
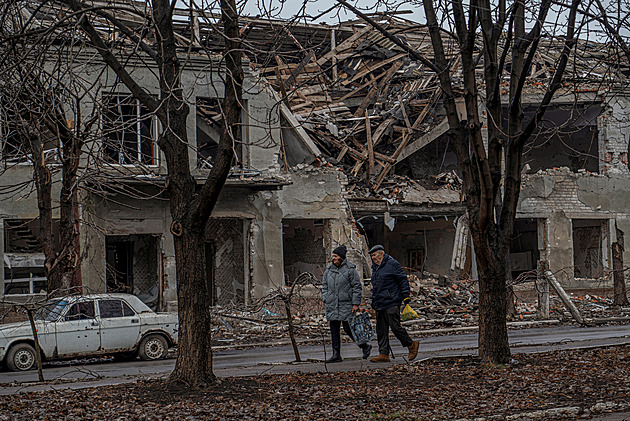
{"x":78,"y":331}
{"x":120,"y":325}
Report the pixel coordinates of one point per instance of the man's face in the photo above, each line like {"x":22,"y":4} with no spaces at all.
{"x":377,"y":257}
{"x":336,"y":259}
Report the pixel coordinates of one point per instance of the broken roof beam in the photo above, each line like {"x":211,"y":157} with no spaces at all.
{"x":423,"y":141}
{"x":371,"y":96}
{"x":349,"y":43}
{"x":296,"y":125}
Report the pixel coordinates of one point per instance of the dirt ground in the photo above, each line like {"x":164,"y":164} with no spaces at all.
{"x":578,"y":384}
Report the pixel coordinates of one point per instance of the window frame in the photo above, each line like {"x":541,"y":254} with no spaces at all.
{"x":106,"y":98}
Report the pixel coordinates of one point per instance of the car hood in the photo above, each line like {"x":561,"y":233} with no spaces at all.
{"x":11,"y":330}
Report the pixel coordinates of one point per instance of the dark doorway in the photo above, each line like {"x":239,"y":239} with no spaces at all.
{"x":524,"y":253}
{"x":132,"y":266}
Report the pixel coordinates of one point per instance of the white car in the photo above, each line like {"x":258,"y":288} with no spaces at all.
{"x":89,"y":325}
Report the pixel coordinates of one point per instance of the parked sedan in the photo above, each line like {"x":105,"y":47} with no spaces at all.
{"x":89,"y":325}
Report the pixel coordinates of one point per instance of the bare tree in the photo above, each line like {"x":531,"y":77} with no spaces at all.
{"x":484,"y":37}
{"x":34,"y":98}
{"x":190,"y":207}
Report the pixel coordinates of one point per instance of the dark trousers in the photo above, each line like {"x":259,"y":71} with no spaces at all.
{"x":390,"y":319}
{"x":335,"y":335}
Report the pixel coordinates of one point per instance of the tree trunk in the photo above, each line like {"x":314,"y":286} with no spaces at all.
{"x":620,"y":298}
{"x":194,"y":359}
{"x":493,"y":337}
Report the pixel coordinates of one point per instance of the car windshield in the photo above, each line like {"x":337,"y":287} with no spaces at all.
{"x":51,"y":310}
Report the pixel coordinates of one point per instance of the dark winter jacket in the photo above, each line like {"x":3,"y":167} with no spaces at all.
{"x":389,"y":284}
{"x":341,"y":289}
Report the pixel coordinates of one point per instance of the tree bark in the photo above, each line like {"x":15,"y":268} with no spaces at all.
{"x":620,"y":297}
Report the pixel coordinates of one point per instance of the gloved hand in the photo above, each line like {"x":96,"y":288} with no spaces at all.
{"x":406,"y":301}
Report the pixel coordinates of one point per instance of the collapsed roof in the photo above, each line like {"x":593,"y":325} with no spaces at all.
{"x":355,"y":96}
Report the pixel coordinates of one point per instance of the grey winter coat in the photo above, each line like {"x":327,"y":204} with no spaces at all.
{"x":341,"y":289}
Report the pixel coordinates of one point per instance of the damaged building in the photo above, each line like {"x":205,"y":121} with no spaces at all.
{"x":343,"y":140}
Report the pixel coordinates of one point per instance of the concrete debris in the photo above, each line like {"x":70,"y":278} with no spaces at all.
{"x":441,"y":303}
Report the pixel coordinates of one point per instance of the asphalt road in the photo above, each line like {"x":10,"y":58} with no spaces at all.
{"x":280,"y":359}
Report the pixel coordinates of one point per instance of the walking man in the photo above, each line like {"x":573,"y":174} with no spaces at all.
{"x":342,"y":294}
{"x":390,"y":288}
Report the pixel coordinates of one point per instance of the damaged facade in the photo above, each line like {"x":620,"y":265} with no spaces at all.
{"x":342,"y":141}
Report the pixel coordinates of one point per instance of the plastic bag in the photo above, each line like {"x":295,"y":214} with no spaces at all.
{"x":408,"y":313}
{"x":361,"y":327}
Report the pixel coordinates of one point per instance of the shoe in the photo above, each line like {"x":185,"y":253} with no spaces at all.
{"x":334,"y":359}
{"x":367,"y":350}
{"x":381,"y":358}
{"x":413,"y":350}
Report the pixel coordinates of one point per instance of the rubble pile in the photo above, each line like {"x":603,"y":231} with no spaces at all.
{"x":441,"y":303}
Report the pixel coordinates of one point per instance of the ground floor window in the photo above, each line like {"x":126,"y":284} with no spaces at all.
{"x":590,"y":238}
{"x":23,"y":257}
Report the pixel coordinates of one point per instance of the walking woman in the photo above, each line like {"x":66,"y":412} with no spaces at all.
{"x":341,"y":292}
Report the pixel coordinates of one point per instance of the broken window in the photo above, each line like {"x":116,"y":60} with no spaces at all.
{"x":129,"y":131}
{"x":13,"y":137}
{"x":23,"y":257}
{"x":589,"y":247}
{"x":81,"y":311}
{"x":524,"y":247}
{"x":303,"y":248}
{"x":133,"y":265}
{"x":209,"y":126}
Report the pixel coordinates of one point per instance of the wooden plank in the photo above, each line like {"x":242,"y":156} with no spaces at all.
{"x":291,"y":79}
{"x":404,"y":111}
{"x":370,"y":148}
{"x":371,"y":96}
{"x":372,"y":69}
{"x":347,"y":44}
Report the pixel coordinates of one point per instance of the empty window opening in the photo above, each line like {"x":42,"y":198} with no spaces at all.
{"x":209,"y":127}
{"x":129,"y":130}
{"x":132,"y":267}
{"x":303,"y":248}
{"x":567,"y":137}
{"x":589,"y":238}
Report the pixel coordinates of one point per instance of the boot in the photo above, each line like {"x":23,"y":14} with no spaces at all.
{"x":413,"y":350}
{"x":381,"y":358}
{"x":367,"y":350}
{"x":335,"y":336}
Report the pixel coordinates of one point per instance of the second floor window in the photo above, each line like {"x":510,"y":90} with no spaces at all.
{"x":129,"y":131}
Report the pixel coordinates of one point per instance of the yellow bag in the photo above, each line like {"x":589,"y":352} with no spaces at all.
{"x":408,"y":313}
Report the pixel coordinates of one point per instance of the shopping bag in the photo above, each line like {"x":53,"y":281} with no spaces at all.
{"x":408,"y":313}
{"x":361,"y":327}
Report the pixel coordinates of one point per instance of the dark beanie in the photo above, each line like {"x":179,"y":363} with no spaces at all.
{"x":340,"y":251}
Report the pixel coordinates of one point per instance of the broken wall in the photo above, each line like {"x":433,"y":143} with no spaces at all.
{"x":561,"y":197}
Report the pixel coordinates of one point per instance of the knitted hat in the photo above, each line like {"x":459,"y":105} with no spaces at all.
{"x":340,"y":251}
{"x":377,"y":248}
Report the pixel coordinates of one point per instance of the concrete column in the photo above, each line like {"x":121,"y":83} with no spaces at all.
{"x":560,"y":247}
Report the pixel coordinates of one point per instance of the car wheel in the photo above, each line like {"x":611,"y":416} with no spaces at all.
{"x":153,"y":347}
{"x":21,"y":357}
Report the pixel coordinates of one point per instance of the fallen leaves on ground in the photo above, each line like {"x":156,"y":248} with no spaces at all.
{"x":444,"y":389}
